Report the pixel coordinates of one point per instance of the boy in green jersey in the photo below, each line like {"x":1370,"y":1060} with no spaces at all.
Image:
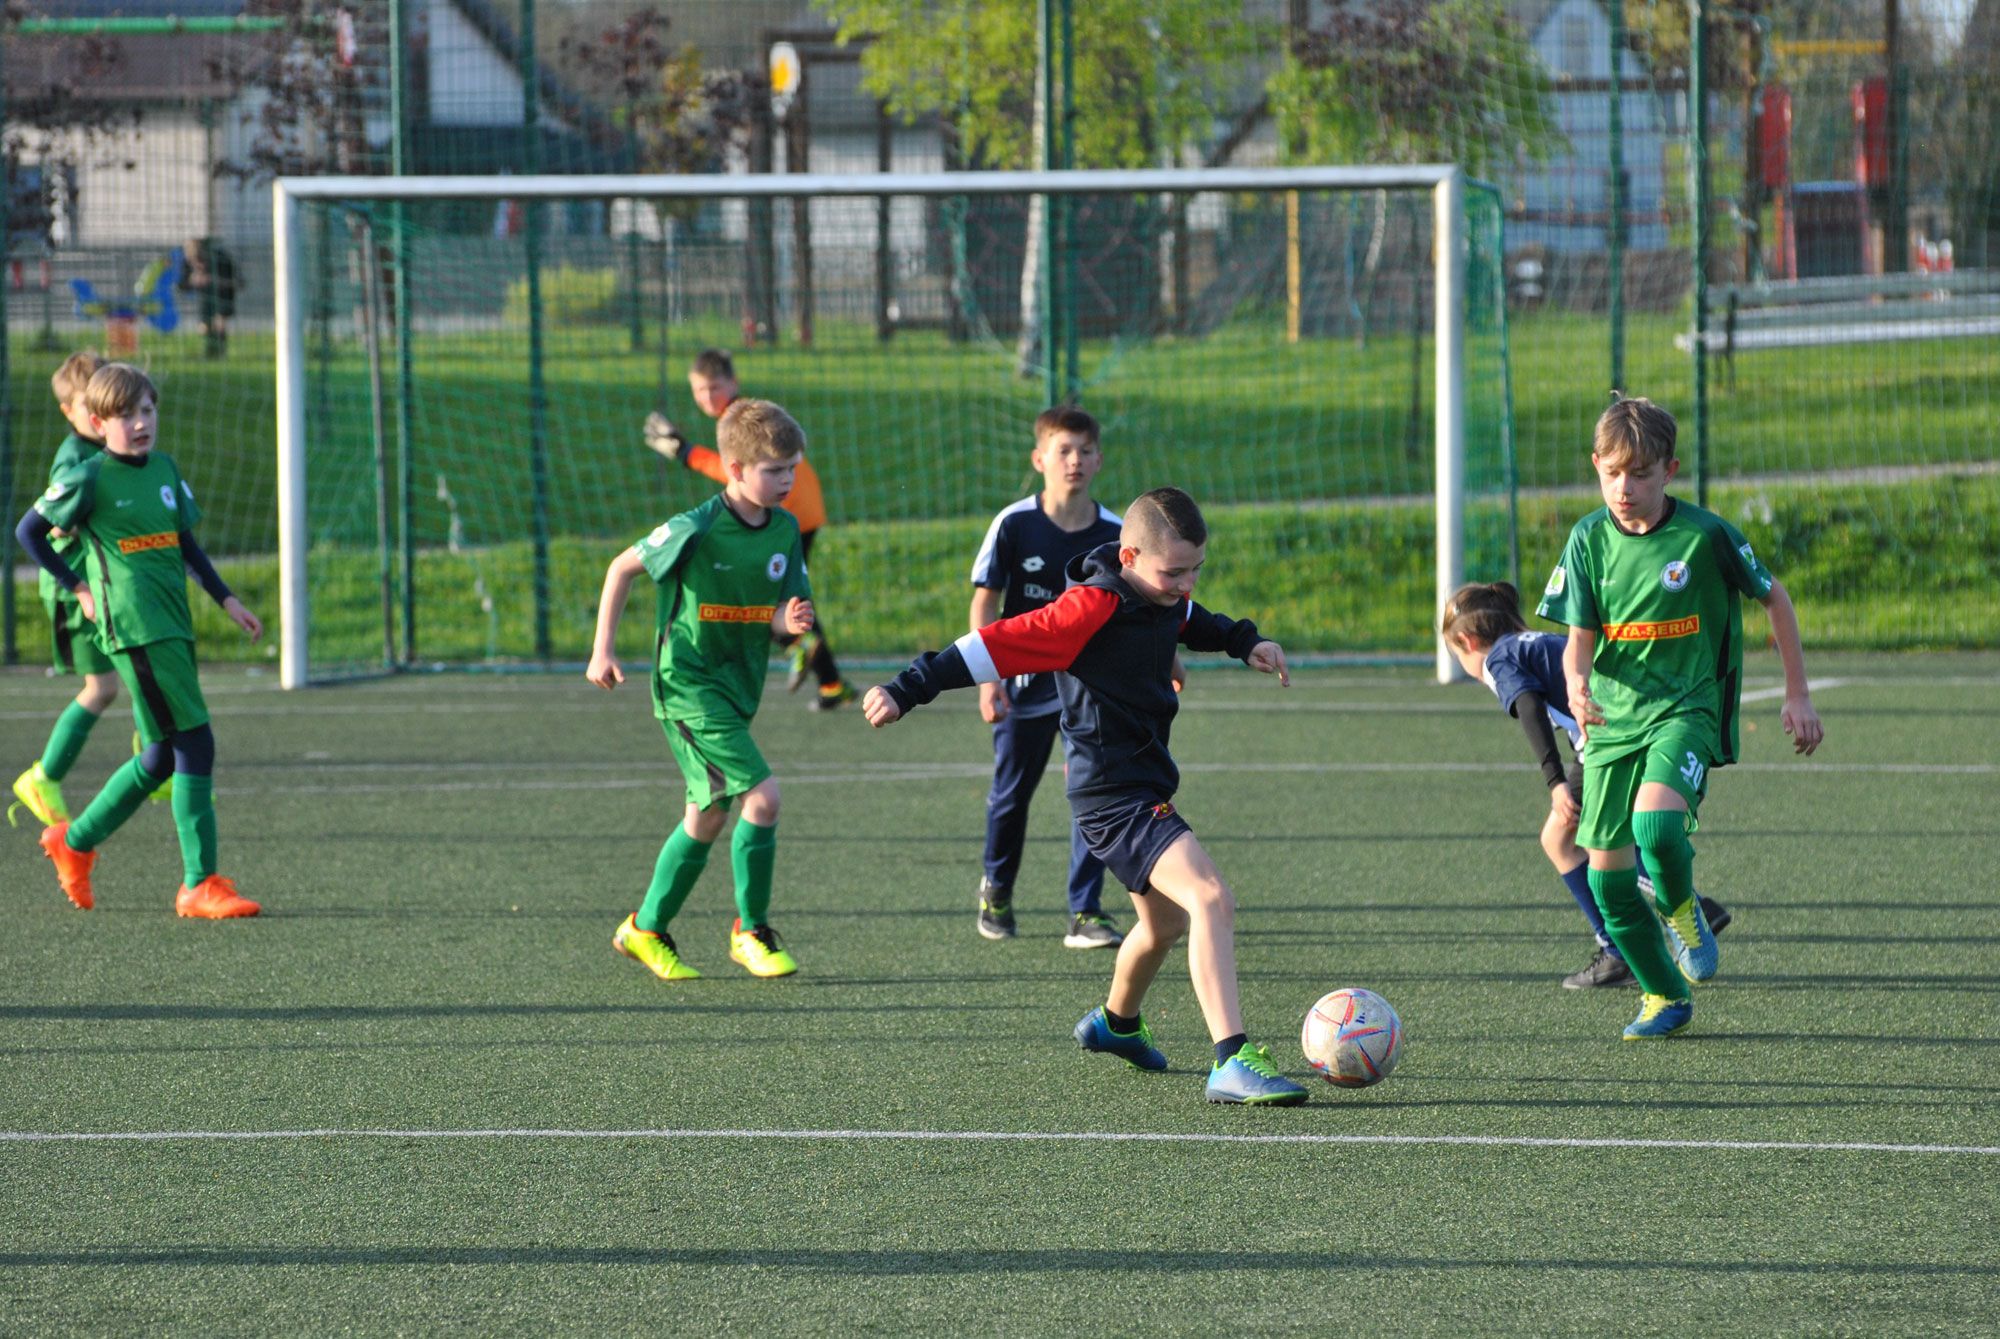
{"x":1650,"y":587}
{"x":72,"y":646}
{"x":135,"y":515}
{"x":730,"y":573}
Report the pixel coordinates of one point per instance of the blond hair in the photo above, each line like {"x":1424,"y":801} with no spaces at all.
{"x":1484,"y":610}
{"x":1163,"y":514}
{"x":117,"y":388}
{"x":1634,"y":431}
{"x":75,"y":373}
{"x":753,"y":431}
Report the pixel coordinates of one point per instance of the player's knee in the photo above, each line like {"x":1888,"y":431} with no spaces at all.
{"x":705,"y":825}
{"x":99,"y":692}
{"x":1559,"y":841}
{"x":761,"y":803}
{"x":1661,"y":832}
{"x":156,"y":762}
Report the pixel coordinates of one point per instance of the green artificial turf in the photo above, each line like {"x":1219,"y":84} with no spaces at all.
{"x":443,"y":860}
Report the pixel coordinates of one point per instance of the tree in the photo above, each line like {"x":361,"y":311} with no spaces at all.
{"x":1149,"y":76}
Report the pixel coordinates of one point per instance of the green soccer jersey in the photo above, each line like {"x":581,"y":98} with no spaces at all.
{"x":129,"y":516}
{"x":720,"y":584}
{"x":1668,"y":612}
{"x":75,"y":449}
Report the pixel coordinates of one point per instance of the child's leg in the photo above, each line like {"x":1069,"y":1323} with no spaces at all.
{"x":72,"y":728}
{"x":1086,"y":871}
{"x":120,"y":797}
{"x":682,"y":858}
{"x":1185,"y":876}
{"x":1659,"y":825}
{"x":1160,"y":924}
{"x":753,"y":853}
{"x":1559,"y":844}
{"x":1630,"y":922}
{"x":194,"y":802}
{"x":1021,"y":751}
{"x":821,"y":660}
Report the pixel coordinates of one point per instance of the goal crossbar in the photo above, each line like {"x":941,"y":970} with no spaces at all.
{"x":1446,"y":182}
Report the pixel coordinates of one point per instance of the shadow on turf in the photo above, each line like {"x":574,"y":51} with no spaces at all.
{"x":982,"y":1263}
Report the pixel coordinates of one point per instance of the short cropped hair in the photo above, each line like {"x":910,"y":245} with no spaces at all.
{"x":1065,"y":418}
{"x":75,"y":374}
{"x":117,"y":388}
{"x":753,"y":431}
{"x":1163,"y":514}
{"x":1485,"y":610}
{"x":1635,"y":431}
{"x":713,"y":364}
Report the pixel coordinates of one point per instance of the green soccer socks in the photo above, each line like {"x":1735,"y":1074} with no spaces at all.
{"x":753,"y":851}
{"x":681,"y":862}
{"x":194,"y":820}
{"x":66,"y":741}
{"x":1636,"y":931}
{"x":110,"y":807}
{"x":1662,"y":838}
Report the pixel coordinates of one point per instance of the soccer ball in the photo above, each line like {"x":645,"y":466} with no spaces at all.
{"x":1352,"y":1037}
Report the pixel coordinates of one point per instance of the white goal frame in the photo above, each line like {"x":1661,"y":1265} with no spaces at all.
{"x":1446,"y":182}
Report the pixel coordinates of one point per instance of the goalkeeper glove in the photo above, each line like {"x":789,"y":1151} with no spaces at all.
{"x":663,"y":437}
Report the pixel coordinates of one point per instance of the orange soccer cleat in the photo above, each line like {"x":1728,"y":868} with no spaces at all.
{"x":214,"y":898}
{"x":72,"y":867}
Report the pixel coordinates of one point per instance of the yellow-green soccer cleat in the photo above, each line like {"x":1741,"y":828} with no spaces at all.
{"x":165,"y":793}
{"x":1659,"y":1017}
{"x":39,"y":796}
{"x":758,"y":951}
{"x":654,"y":951}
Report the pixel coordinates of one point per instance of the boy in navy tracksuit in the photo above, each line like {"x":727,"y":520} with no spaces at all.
{"x":1113,"y":635}
{"x":1020,"y":569}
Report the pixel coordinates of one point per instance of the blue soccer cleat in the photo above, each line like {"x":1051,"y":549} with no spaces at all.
{"x":1134,"y":1048}
{"x":1659,"y":1017}
{"x":1692,"y":941}
{"x":1252,"y":1080}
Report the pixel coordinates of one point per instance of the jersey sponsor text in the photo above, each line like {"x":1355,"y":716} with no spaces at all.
{"x":738,"y":613}
{"x":1653,"y":632}
{"x":166,"y":539}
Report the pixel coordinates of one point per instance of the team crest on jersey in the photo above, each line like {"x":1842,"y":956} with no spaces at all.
{"x":1748,"y":556}
{"x":1674,"y":576}
{"x":659,"y":535}
{"x":167,"y":495}
{"x":1557,"y":580}
{"x":775,"y":569}
{"x":55,"y":491}
{"x":1034,"y":564}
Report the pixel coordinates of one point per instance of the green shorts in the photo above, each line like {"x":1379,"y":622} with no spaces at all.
{"x":1679,"y":755}
{"x":717,"y":756}
{"x":166,"y":692}
{"x":73,"y":644}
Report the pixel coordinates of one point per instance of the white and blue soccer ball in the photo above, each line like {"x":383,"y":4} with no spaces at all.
{"x":1352,"y":1037}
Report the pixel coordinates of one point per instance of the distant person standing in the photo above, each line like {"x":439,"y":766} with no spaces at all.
{"x":211,"y":273}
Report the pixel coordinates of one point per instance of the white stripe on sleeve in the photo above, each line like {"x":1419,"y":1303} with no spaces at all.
{"x":977,"y":658}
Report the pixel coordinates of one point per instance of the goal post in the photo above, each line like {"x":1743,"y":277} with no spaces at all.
{"x":1157,"y":271}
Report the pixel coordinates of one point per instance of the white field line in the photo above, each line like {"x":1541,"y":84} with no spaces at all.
{"x":1015,"y":1136}
{"x":1812,"y":686}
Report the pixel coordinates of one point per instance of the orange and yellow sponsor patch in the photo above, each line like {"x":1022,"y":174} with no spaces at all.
{"x":166,"y":539}
{"x":1653,"y":632}
{"x":738,"y":613}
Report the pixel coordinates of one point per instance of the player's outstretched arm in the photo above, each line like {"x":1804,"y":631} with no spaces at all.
{"x":618,"y":578}
{"x":1269,"y":658}
{"x":1799,"y":718}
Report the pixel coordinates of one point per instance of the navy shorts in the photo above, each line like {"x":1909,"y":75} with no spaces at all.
{"x":1130,"y":834}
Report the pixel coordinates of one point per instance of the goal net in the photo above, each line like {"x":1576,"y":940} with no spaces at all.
{"x":1319,"y":356}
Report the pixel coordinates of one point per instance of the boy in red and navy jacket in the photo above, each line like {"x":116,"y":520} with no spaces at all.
{"x":1112,"y":635}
